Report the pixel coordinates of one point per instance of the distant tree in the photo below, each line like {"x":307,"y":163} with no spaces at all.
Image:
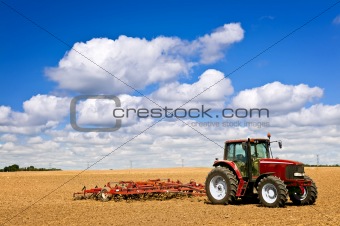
{"x":15,"y":167}
{"x":11,"y":168}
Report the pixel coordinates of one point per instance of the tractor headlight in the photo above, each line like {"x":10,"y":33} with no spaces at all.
{"x":299,"y":174}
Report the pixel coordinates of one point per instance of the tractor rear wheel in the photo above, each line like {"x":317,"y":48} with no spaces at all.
{"x":221,"y":186}
{"x":272,"y":192}
{"x":304,"y":195}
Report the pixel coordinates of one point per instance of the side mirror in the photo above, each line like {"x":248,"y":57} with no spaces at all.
{"x":280,"y":144}
{"x":244,"y":146}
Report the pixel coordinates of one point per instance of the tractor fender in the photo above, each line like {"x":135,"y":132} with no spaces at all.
{"x":229,"y":165}
{"x":261,"y":177}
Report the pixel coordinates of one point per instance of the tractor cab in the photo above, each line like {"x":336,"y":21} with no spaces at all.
{"x":246,"y":154}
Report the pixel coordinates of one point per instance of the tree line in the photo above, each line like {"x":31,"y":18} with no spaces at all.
{"x":15,"y":167}
{"x":315,"y":165}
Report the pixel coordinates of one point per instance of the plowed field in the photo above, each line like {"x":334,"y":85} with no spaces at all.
{"x":45,"y":198}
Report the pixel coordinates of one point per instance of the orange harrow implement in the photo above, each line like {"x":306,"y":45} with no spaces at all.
{"x":142,"y":190}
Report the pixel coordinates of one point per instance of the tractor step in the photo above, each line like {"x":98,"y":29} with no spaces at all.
{"x":242,"y":187}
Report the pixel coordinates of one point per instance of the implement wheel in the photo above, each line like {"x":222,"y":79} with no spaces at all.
{"x":221,"y":186}
{"x":104,"y":194}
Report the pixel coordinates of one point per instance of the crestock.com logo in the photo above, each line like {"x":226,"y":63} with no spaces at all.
{"x":73,"y":113}
{"x":192,"y":113}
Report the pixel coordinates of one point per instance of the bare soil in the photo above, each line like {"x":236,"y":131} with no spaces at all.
{"x":45,"y":198}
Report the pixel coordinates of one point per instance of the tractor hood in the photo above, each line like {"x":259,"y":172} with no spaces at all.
{"x":281,"y":168}
{"x":279,"y":161}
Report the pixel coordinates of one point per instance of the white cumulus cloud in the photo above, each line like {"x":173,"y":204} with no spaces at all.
{"x":315,"y":115}
{"x":40,"y":112}
{"x":212,"y":44}
{"x":4,"y":114}
{"x":8,"y":138}
{"x":137,"y":62}
{"x":212,"y":89}
{"x":277,"y":97}
{"x":41,"y":135}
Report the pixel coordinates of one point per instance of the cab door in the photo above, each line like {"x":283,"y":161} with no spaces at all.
{"x":237,"y":154}
{"x":257,"y":152}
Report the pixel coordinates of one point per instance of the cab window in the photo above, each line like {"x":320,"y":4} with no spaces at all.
{"x":261,"y":151}
{"x":258,"y":150}
{"x":236,"y":152}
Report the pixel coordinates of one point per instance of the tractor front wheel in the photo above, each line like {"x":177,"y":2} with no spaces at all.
{"x":221,"y":186}
{"x":272,"y":192}
{"x":304,"y":195}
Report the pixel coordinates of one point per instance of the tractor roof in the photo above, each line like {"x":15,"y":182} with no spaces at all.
{"x":245,"y":140}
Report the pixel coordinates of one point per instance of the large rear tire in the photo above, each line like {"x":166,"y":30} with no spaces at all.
{"x":272,"y":192}
{"x":304,"y":195}
{"x":221,"y":186}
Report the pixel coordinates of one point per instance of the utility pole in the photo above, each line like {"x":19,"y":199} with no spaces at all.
{"x":182,"y":163}
{"x":317,"y":160}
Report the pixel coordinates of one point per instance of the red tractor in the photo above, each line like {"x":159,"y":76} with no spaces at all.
{"x":249,"y":171}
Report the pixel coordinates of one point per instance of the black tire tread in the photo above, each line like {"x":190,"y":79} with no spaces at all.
{"x":233,"y":184}
{"x":311,"y":198}
{"x":282,"y":192}
{"x":314,"y":192}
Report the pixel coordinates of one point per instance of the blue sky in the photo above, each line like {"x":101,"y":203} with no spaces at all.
{"x":309,"y":56}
